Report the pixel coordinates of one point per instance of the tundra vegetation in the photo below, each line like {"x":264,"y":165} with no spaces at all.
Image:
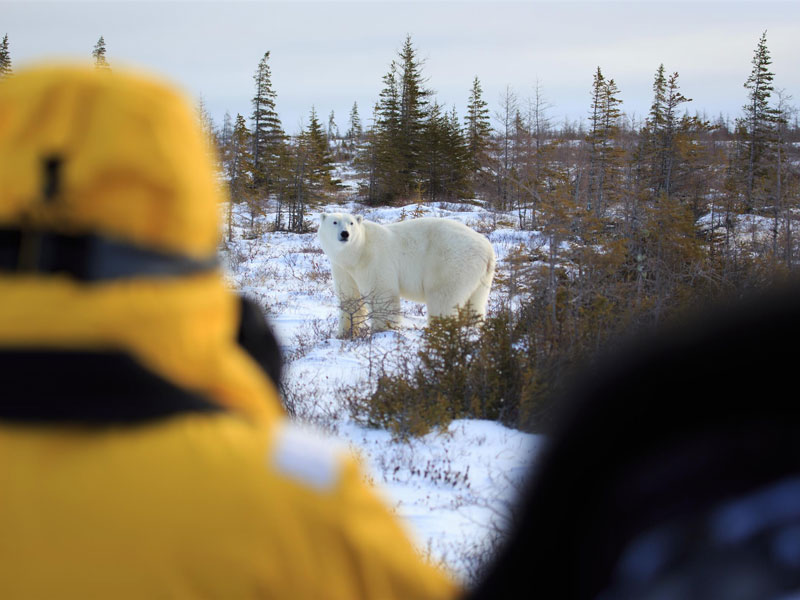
{"x":636,"y":221}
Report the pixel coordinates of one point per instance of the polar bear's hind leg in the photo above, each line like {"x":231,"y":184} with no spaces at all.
{"x":479,"y":298}
{"x":446,"y":301}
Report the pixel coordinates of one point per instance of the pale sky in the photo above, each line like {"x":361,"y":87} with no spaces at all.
{"x":331,"y":54}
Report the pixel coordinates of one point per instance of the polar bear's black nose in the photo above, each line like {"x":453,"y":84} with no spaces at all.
{"x":344,"y":235}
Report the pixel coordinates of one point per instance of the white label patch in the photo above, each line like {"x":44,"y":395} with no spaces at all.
{"x":306,"y":456}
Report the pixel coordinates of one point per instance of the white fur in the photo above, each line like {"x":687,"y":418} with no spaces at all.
{"x":439,"y":262}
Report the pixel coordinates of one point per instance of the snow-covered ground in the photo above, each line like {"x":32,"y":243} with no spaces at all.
{"x":453,"y":488}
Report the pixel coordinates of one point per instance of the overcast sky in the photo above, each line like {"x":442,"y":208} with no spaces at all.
{"x":331,"y":54}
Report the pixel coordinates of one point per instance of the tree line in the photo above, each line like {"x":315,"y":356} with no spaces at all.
{"x":609,"y":172}
{"x":415,"y":149}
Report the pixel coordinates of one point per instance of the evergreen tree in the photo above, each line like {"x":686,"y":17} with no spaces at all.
{"x":388,"y":107}
{"x":311,"y":170}
{"x":224,"y":138}
{"x":99,"y":54}
{"x":333,"y":129}
{"x":478,"y":132}
{"x":399,"y":128}
{"x":656,"y":119}
{"x":674,"y":127}
{"x":413,"y":111}
{"x":382,"y":153}
{"x":5,"y":58}
{"x":321,"y":161}
{"x":267,"y":135}
{"x":651,"y":142}
{"x":662,"y":131}
{"x":207,"y":125}
{"x":457,"y":181}
{"x":604,"y":151}
{"x":433,"y":159}
{"x":366,"y":160}
{"x":239,"y":169}
{"x":691,"y":179}
{"x":758,"y":127}
{"x":595,"y":137}
{"x":356,"y":130}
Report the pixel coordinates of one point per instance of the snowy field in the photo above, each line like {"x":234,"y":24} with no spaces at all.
{"x":453,"y":488}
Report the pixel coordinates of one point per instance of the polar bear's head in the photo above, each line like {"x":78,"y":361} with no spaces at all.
{"x":338,"y":230}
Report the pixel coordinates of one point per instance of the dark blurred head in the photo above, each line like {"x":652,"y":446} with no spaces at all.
{"x":674,"y":471}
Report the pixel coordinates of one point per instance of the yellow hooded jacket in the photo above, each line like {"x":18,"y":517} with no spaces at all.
{"x":143,"y":451}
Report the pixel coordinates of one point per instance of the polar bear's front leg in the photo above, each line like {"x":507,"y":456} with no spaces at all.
{"x":383,"y":309}
{"x":352,"y":305}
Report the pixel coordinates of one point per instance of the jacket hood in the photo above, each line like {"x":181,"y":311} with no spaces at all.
{"x":130,"y":159}
{"x":96,"y":164}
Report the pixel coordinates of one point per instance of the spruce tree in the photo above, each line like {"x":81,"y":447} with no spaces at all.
{"x":433,"y":158}
{"x":99,"y":54}
{"x":413,"y":111}
{"x":5,"y":58}
{"x":595,"y":138}
{"x":457,"y":182}
{"x":661,"y":133}
{"x":478,"y":132}
{"x":321,"y":160}
{"x":207,"y":125}
{"x":656,"y":118}
{"x":651,"y":140}
{"x":356,"y":130}
{"x":674,"y":129}
{"x":604,"y":151}
{"x":333,"y":128}
{"x":239,"y":165}
{"x":311,"y":172}
{"x":366,"y":160}
{"x":224,"y":138}
{"x":611,"y":157}
{"x":399,"y":128}
{"x":383,"y":152}
{"x":267,"y":135}
{"x":758,"y":126}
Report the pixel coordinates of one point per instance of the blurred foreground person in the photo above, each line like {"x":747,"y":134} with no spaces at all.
{"x":675,"y":471}
{"x":144,"y":450}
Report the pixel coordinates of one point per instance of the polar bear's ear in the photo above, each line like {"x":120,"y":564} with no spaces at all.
{"x":322,"y":217}
{"x":359,"y":218}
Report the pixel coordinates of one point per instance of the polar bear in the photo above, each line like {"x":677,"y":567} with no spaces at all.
{"x":440,"y":262}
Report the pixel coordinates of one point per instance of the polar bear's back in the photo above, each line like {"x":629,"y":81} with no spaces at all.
{"x":429,"y":233}
{"x":432,"y":253}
